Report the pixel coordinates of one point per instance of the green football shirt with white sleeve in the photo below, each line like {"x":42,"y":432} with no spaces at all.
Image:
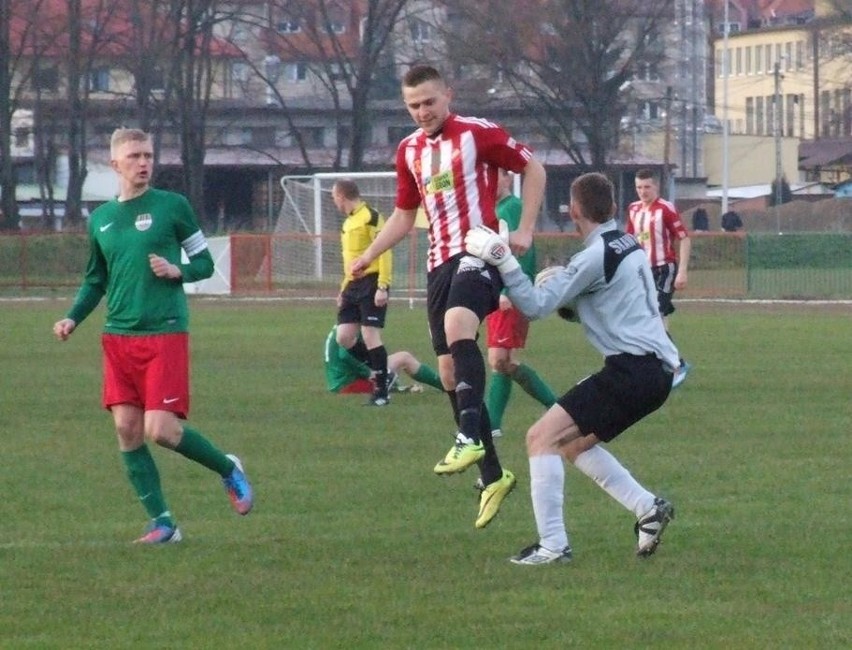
{"x":122,"y":234}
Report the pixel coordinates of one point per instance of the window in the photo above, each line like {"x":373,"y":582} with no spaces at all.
{"x":45,"y":79}
{"x":800,"y":55}
{"x":788,"y":56}
{"x":335,"y":22}
{"x":288,"y":26}
{"x":749,"y":69}
{"x":758,"y":59}
{"x":99,"y":80}
{"x":749,"y":115}
{"x":825,"y":113}
{"x":739,"y":60}
{"x":650,"y":110}
{"x":22,"y":138}
{"x":313,"y":136}
{"x":648,"y":71}
{"x":421,"y":32}
{"x":336,"y":72}
{"x":296,"y":72}
{"x":236,"y":136}
{"x":240,"y":72}
{"x":790,"y":119}
{"x":759,"y":124}
{"x":262,"y":136}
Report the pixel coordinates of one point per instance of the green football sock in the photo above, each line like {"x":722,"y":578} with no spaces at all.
{"x":528,"y":379}
{"x":499,"y":391}
{"x":426,"y":375}
{"x":196,"y":447}
{"x":145,"y":479}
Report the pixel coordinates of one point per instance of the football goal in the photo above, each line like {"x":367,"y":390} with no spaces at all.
{"x":306,"y":241}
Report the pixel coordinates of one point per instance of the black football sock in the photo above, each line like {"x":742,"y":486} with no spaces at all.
{"x":470,"y":385}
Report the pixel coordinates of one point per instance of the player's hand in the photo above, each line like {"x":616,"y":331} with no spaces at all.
{"x":358,"y":266}
{"x":162,"y":268}
{"x":62,"y":329}
{"x":680,"y":280}
{"x":505,"y":303}
{"x":490,"y":247}
{"x":520,"y":242}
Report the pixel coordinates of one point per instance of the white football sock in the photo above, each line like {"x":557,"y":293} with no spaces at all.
{"x":605,"y":470}
{"x":547,"y":482}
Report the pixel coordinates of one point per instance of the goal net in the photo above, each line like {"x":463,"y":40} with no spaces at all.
{"x":305,"y":248}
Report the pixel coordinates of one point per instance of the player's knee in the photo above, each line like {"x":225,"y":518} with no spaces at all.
{"x":503,"y":366}
{"x":163,"y":431}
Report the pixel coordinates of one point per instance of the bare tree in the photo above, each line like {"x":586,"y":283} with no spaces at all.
{"x":565,"y":61}
{"x":8,"y":205}
{"x":18,"y":52}
{"x":345,"y":45}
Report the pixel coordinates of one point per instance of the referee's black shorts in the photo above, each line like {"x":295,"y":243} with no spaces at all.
{"x":628,"y":388}
{"x":461,"y":281}
{"x":358,"y":303}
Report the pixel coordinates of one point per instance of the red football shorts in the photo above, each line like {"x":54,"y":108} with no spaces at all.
{"x":151,"y":372}
{"x":360,"y":385}
{"x":507,"y":329}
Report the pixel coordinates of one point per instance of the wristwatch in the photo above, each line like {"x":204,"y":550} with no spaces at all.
{"x":383,"y":287}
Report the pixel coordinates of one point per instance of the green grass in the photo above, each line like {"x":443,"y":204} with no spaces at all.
{"x":354,"y":543}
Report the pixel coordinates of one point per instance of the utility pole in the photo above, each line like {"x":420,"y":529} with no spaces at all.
{"x":667,"y":141}
{"x":779,"y":171}
{"x":725,"y":129}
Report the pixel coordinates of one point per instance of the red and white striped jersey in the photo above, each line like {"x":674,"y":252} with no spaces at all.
{"x":656,"y":228}
{"x":453,"y":175}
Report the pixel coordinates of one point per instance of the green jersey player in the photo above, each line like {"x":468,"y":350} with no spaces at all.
{"x":135,"y":261}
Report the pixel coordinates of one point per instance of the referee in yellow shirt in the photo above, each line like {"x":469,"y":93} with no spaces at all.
{"x":363,"y":302}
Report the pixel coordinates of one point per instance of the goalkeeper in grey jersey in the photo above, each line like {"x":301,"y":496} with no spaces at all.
{"x":608,"y":288}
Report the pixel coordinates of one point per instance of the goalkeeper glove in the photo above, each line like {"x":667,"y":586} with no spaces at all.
{"x":490,"y":247}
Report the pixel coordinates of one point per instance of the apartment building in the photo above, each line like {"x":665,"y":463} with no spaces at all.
{"x":787,"y":72}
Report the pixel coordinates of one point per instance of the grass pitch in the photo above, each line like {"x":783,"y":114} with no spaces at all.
{"x":354,"y":543}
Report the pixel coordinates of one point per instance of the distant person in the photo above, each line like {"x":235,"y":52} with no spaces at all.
{"x":606,"y":287}
{"x":508,"y":328}
{"x":346,"y":371}
{"x":136,"y":241}
{"x":700,"y":222}
{"x":362,"y":303}
{"x":657,"y":225}
{"x":731,"y":221}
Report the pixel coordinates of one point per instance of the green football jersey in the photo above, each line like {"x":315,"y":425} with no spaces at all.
{"x":121,"y":235}
{"x":509,"y":210}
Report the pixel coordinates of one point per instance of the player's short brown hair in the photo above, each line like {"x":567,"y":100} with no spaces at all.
{"x":646,"y":174}
{"x":348,"y":189}
{"x":595,"y":196}
{"x":419,"y":74}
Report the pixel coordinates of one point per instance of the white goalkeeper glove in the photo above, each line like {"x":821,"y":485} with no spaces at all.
{"x":490,"y":247}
